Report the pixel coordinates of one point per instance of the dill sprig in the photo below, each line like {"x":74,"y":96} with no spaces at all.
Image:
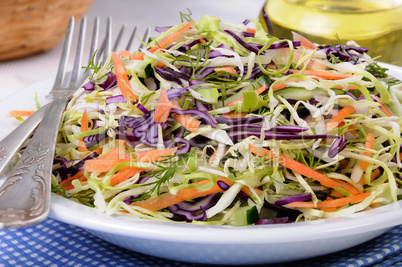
{"x":85,"y":197}
{"x":186,"y":17}
{"x":265,"y":163}
{"x":166,"y":170}
{"x":92,"y":65}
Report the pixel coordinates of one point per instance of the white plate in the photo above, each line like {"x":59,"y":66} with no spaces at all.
{"x":214,"y":244}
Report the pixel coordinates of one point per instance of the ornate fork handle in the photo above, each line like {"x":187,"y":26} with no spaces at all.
{"x":12,"y":143}
{"x":25,"y":195}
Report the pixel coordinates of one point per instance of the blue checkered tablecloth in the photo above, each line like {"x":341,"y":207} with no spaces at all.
{"x":53,"y":243}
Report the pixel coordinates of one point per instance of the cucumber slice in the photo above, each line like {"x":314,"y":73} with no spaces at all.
{"x":245,"y":216}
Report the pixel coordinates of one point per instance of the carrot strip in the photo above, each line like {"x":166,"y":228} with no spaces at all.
{"x":164,"y":42}
{"x":113,"y":158}
{"x":20,"y":113}
{"x":259,"y":91}
{"x":306,"y":43}
{"x":67,"y":182}
{"x":384,"y":107}
{"x":167,"y":199}
{"x":301,"y":169}
{"x":226,"y":69}
{"x":250,"y":30}
{"x":84,"y":127}
{"x":125,"y":53}
{"x":339,"y":117}
{"x":327,"y":75}
{"x":336,"y":194}
{"x":124,"y":175}
{"x":334,"y":203}
{"x":162,"y":110}
{"x":122,"y":79}
{"x":369,"y":145}
{"x":188,"y":122}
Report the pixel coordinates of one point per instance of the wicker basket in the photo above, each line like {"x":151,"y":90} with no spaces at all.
{"x":33,"y":26}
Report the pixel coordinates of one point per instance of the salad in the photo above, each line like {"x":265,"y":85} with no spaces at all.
{"x":220,"y":123}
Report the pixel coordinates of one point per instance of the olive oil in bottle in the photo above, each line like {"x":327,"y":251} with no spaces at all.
{"x":375,"y":24}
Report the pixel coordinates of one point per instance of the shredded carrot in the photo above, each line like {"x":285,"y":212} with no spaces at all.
{"x":125,"y":53}
{"x":114,"y":157}
{"x":124,"y":175}
{"x":84,"y":127}
{"x":334,"y":203}
{"x":369,"y":145}
{"x":384,"y":107}
{"x":167,"y":199}
{"x":20,"y":113}
{"x":339,"y":117}
{"x":162,"y":110}
{"x":301,"y":169}
{"x":336,"y":194}
{"x":327,"y":75}
{"x":122,"y":79}
{"x":188,"y":122}
{"x":250,"y":30}
{"x":67,"y":182}
{"x":226,"y":69}
{"x":306,"y":43}
{"x":164,"y":42}
{"x":259,"y":91}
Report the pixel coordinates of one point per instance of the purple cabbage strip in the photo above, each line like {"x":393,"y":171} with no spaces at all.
{"x":193,"y":211}
{"x":233,"y":121}
{"x":115,"y":99}
{"x":207,"y":71}
{"x":184,"y":148}
{"x":337,"y":146}
{"x":186,"y":47}
{"x":95,"y":139}
{"x":246,"y":21}
{"x":351,"y":95}
{"x":292,"y":214}
{"x":110,"y":81}
{"x":89,"y":86}
{"x":295,"y":198}
{"x":161,"y":29}
{"x":288,"y":129}
{"x":201,"y":203}
{"x":247,"y":34}
{"x":176,"y":92}
{"x":338,"y":51}
{"x":252,"y":47}
{"x":284,"y":45}
{"x":171,"y":75}
{"x":65,"y":171}
{"x":202,"y":107}
{"x":142,"y":108}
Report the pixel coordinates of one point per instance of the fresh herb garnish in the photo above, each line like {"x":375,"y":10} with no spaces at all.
{"x":85,"y":197}
{"x":95,"y":67}
{"x":166,"y":169}
{"x":377,"y":70}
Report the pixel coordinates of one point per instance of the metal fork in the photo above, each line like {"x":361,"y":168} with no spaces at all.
{"x":25,"y":194}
